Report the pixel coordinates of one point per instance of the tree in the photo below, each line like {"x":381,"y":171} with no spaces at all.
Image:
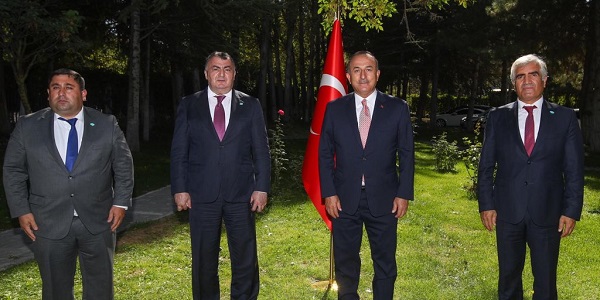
{"x":32,"y":33}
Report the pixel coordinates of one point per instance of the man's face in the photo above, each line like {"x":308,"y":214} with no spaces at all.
{"x":65,"y":96}
{"x":529,"y":83}
{"x":363,"y":74}
{"x":220,"y":74}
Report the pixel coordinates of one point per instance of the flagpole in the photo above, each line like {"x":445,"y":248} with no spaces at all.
{"x":331,"y":264}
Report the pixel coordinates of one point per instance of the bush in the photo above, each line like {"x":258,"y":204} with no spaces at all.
{"x":446,"y":153}
{"x":471,"y":157}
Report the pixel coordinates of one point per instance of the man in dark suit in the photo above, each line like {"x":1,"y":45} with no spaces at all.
{"x":530,"y":181}
{"x":363,"y":135}
{"x":68,"y":177}
{"x":220,"y":170}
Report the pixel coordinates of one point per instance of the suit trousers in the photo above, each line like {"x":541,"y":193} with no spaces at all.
{"x":347,"y":238}
{"x":544,"y":246}
{"x":57,"y":261}
{"x":205,"y":231}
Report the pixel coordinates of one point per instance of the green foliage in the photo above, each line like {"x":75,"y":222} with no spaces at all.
{"x":444,"y":253}
{"x":470,"y":157}
{"x":278,"y":155}
{"x":446,"y":153}
{"x":368,"y":13}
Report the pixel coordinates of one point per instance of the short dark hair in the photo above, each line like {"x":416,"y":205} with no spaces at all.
{"x":362,"y":52}
{"x":78,"y":78}
{"x":221,"y":55}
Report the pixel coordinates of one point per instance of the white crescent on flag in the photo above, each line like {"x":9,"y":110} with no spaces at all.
{"x":333,"y":82}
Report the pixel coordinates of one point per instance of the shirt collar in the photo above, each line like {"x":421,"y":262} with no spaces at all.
{"x":79,"y":116}
{"x":537,"y":103}
{"x":370,"y":99}
{"x":211,"y":95}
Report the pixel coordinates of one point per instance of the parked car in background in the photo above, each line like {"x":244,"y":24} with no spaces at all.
{"x":454,"y":116}
{"x":478,"y":121}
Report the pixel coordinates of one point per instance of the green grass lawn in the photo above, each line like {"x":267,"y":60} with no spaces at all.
{"x":443,"y":250}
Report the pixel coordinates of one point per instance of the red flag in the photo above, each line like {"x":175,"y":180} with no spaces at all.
{"x":333,"y":85}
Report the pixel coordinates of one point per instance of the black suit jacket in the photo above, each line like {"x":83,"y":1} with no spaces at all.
{"x":36,"y":180}
{"x":343,"y":161}
{"x":208,"y":168}
{"x":547,"y":184}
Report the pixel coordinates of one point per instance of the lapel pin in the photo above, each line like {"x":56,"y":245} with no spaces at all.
{"x":92,"y":124}
{"x":551,"y":112}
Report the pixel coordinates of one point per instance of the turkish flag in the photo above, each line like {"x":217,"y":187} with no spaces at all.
{"x":333,"y":85}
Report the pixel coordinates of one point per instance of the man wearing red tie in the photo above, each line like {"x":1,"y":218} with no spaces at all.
{"x":220,"y":171}
{"x":364,"y":134}
{"x":530,"y":181}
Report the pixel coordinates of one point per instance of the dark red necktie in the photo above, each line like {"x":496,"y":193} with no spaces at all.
{"x":529,"y":129}
{"x":219,"y":117}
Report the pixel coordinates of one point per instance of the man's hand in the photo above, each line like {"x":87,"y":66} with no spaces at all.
{"x":566,"y":225}
{"x":488,"y":218}
{"x":333,"y":206}
{"x":258,"y":201}
{"x":183,"y":201}
{"x":27,"y":222}
{"x":400,"y":207}
{"x":115,"y":216}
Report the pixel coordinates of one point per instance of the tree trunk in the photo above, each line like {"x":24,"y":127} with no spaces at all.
{"x":196,"y":81}
{"x":176,"y":84}
{"x":434,"y":86}
{"x":133,"y":109}
{"x":591,"y":82}
{"x":302,"y":59}
{"x":473,"y":96}
{"x":5,"y":127}
{"x":265,"y":43}
{"x":145,"y":100}
{"x":288,"y":95}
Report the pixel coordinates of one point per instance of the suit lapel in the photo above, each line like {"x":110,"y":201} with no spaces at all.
{"x":545,"y":129}
{"x":90,"y":134}
{"x":48,"y":118}
{"x":203,"y":111}
{"x":514,"y":130}
{"x":378,"y":116}
{"x":350,"y":110}
{"x":234,"y":116}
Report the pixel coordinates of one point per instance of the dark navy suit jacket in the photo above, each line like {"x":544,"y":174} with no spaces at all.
{"x":343,"y":161}
{"x":547,"y":184}
{"x":208,"y":168}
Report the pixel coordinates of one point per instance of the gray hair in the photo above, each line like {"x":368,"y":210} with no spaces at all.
{"x":527,"y":59}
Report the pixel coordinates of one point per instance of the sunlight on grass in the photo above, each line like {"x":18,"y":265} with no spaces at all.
{"x":443,"y":250}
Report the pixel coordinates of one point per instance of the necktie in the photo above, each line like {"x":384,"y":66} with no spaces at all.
{"x":219,"y":117}
{"x":529,"y":129}
{"x":364,"y":122}
{"x":72,"y":144}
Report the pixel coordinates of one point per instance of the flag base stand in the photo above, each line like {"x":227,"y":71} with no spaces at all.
{"x":328,"y":285}
{"x":325,"y":285}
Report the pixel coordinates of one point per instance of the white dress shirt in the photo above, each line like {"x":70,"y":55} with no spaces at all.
{"x":370,"y":103}
{"x":537,"y":116}
{"x":212,"y":102}
{"x":61,"y":133}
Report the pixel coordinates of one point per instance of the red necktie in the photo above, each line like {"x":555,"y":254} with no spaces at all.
{"x":529,"y":129}
{"x":364,"y":122}
{"x":219,"y":117}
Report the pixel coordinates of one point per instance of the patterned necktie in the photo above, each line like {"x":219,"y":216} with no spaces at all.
{"x":219,"y":117}
{"x":364,"y":122}
{"x":72,"y":144}
{"x":529,"y":130}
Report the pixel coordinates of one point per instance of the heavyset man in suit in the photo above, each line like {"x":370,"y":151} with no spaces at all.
{"x":69,"y":211}
{"x":536,"y":194}
{"x":222,"y":174}
{"x":360,"y":178}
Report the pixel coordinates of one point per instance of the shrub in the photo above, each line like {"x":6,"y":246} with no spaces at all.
{"x":278,"y":159}
{"x":446,"y":153}
{"x":470,"y":157}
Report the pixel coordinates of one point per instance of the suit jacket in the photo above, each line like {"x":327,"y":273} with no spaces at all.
{"x":547,"y":184}
{"x":210,"y":169}
{"x":343,"y":161}
{"x":37,"y":181}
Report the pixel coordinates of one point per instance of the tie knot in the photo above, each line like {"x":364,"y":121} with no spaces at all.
{"x":364,"y":102}
{"x":70,"y":121}
{"x":220,"y":98}
{"x":529,"y":109}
